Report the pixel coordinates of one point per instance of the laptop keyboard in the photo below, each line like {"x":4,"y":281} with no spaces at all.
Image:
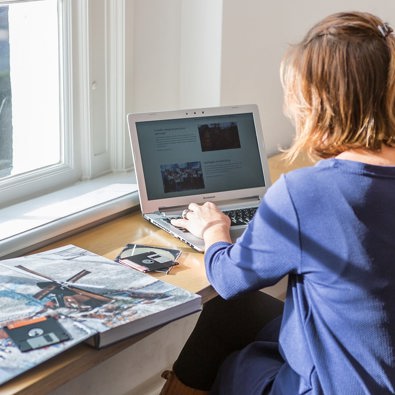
{"x":239,"y":216}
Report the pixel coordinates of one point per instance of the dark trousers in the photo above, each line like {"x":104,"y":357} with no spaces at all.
{"x":224,"y":326}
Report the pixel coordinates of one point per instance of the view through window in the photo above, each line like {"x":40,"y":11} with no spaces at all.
{"x":5,"y":97}
{"x":30,"y":127}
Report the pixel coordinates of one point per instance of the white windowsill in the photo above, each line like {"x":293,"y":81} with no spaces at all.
{"x":38,"y":221}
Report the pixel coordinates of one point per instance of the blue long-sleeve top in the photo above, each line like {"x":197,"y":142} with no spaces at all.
{"x":331,"y":229}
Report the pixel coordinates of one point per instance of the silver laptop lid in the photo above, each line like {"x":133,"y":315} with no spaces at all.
{"x":214,"y":154}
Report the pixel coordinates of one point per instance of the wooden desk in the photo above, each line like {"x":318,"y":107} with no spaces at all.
{"x":108,"y":239}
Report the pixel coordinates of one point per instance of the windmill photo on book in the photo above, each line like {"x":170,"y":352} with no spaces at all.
{"x":93,"y":298}
{"x":67,"y":294}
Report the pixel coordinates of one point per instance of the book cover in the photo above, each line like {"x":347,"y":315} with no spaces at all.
{"x":94,"y":299}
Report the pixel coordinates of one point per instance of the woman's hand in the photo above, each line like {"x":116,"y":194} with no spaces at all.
{"x":206,"y":221}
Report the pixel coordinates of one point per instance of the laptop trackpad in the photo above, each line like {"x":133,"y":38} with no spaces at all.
{"x":236,"y":232}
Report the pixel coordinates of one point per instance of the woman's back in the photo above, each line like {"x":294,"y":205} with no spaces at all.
{"x":338,"y":331}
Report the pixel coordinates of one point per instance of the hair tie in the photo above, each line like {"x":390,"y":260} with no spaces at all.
{"x":385,"y":29}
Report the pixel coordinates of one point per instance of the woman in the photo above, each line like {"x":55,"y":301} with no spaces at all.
{"x":329,"y":227}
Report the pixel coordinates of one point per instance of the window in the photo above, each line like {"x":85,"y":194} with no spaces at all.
{"x":5,"y":97}
{"x":30,"y":87}
{"x":34,"y":117}
{"x":64,"y":152}
{"x":59,"y":123}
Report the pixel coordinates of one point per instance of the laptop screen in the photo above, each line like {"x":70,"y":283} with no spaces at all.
{"x":199,"y":155}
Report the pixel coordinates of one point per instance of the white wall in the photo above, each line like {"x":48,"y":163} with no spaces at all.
{"x":176,"y":54}
{"x":190,"y":53}
{"x":256,"y":34}
{"x":200,"y":54}
{"x":156,"y":45}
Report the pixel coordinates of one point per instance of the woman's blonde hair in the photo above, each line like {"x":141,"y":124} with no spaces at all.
{"x":339,"y":86}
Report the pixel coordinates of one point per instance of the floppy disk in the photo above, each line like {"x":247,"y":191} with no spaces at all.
{"x":36,"y":333}
{"x":147,"y":261}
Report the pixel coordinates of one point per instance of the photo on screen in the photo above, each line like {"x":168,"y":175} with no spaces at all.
{"x":178,"y":177}
{"x":219,"y":136}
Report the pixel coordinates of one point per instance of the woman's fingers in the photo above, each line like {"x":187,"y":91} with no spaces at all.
{"x":198,"y":218}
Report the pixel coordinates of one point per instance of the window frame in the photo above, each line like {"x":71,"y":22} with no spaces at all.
{"x":92,"y":100}
{"x":31,"y":221}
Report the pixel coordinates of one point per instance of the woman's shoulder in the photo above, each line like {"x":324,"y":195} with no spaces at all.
{"x":309,"y":183}
{"x":329,"y":170}
{"x":320,"y":167}
{"x":321,"y":170}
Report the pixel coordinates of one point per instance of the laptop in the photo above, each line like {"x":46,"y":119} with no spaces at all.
{"x":209,"y":154}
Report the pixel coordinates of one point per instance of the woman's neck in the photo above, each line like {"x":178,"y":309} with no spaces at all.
{"x":384,"y":157}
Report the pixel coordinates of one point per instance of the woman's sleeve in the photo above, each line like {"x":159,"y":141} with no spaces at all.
{"x":268,"y":250}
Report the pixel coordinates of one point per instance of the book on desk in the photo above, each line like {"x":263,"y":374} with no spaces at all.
{"x":91,"y":298}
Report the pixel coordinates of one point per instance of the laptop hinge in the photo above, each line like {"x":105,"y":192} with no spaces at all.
{"x":242,"y":202}
{"x":174,"y":210}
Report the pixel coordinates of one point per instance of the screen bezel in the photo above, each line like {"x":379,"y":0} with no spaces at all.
{"x":154,"y":205}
